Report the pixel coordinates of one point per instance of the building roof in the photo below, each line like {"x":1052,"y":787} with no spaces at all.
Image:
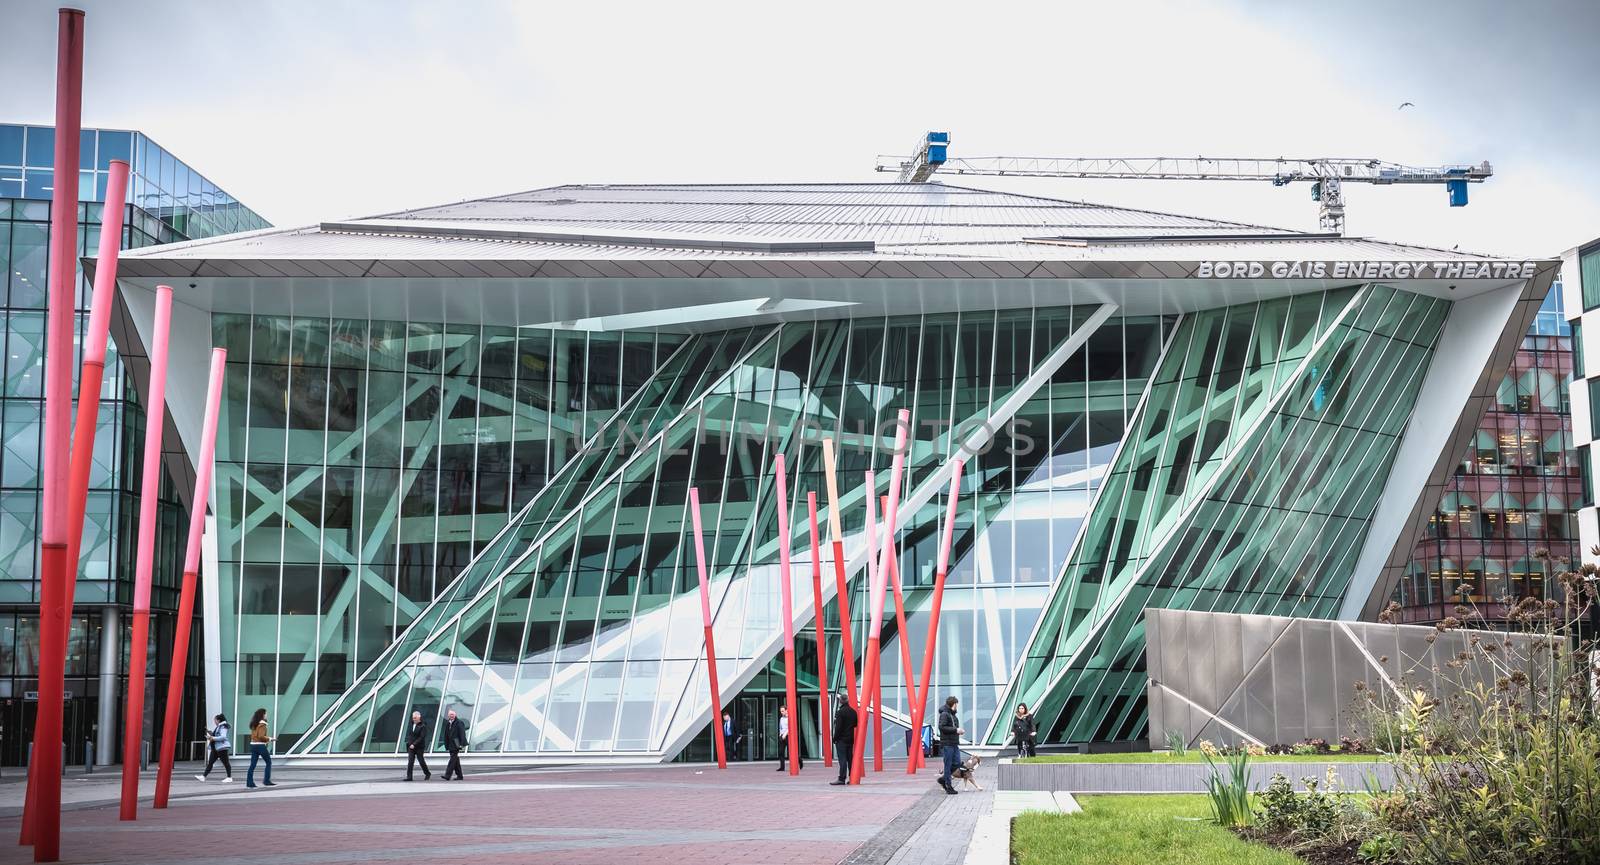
{"x":835,"y":221}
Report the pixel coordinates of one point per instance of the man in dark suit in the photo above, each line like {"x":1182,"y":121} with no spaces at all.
{"x":731,"y":736}
{"x":417,"y":745}
{"x":455,"y":741}
{"x":844,"y":739}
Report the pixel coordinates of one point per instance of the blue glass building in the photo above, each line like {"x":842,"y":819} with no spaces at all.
{"x":167,"y":202}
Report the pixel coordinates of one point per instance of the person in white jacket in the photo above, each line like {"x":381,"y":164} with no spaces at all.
{"x":783,"y":741}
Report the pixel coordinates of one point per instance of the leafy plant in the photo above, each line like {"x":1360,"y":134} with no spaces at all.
{"x":1230,"y":796}
{"x":1379,"y":848}
{"x":1176,"y":743}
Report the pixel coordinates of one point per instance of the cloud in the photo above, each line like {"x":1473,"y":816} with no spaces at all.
{"x":309,"y":111}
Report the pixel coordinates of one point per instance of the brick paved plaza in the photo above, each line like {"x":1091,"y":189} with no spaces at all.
{"x":674,"y":815}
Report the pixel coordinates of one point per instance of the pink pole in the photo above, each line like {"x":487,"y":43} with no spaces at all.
{"x":191,"y":568}
{"x":920,"y":704}
{"x":841,"y":588}
{"x":869,"y":666}
{"x":904,"y":638}
{"x":44,"y":771}
{"x":786,"y":594}
{"x":890,"y":512}
{"x":705,"y":619}
{"x":94,"y":369}
{"x":149,"y":489}
{"x":869,"y":683}
{"x":874,"y":630}
{"x":823,"y":715}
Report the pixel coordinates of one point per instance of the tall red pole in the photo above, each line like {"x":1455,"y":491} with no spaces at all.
{"x":942,"y":568}
{"x":149,"y":490}
{"x":90,"y":380}
{"x":705,"y":619}
{"x":786,"y":594}
{"x":826,"y":722}
{"x":904,"y":636}
{"x":874,"y":575}
{"x":191,"y":568}
{"x":841,"y":588}
{"x":44,"y":770}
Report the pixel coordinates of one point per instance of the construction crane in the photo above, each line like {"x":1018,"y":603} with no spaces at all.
{"x":1327,"y":176}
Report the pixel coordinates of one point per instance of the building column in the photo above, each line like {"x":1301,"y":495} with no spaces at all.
{"x":105,"y":743}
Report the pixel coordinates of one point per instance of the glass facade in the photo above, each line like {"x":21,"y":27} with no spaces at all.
{"x":167,"y":202}
{"x":363,"y":464}
{"x":1246,"y":485}
{"x":577,"y":629}
{"x":172,"y":201}
{"x":1516,"y":490}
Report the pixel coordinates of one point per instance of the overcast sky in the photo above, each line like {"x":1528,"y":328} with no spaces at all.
{"x":316,"y":110}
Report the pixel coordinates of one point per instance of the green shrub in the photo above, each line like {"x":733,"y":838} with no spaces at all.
{"x":1176,"y":743}
{"x":1517,"y":772}
{"x":1319,"y":816}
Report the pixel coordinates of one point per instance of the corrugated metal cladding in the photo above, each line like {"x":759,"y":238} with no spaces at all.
{"x":911,"y":220}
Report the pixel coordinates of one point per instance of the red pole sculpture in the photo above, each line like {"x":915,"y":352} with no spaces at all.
{"x":786,"y":593}
{"x":920,"y":704}
{"x":841,"y":588}
{"x":869,"y":666}
{"x":90,"y":380}
{"x":44,"y":770}
{"x":826,"y":722}
{"x":191,"y":568}
{"x":890,"y":566}
{"x":870,"y":663}
{"x":904,"y":636}
{"x":875,"y":574}
{"x":705,"y":619}
{"x":94,"y":368}
{"x":149,"y":489}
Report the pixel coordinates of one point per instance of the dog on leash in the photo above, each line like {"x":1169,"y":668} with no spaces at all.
{"x":967,"y":772}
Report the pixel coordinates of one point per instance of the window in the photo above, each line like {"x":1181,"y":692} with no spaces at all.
{"x":1589,"y":276}
{"x":1588,"y":477}
{"x":1577,"y":350}
{"x":1594,"y":407}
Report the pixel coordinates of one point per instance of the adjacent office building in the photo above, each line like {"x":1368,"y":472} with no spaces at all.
{"x":1581,"y":296}
{"x":458,"y":442}
{"x":167,"y":201}
{"x":1515,"y":491}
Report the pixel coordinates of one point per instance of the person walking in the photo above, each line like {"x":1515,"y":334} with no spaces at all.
{"x":844,"y":739}
{"x":221,"y":744}
{"x":949,"y":742}
{"x":416,"y":745}
{"x":730,"y":736}
{"x":783,"y":741}
{"x":455,"y":741}
{"x":1024,"y":730}
{"x":260,"y":750}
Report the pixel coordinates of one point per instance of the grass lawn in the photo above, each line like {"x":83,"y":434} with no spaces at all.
{"x":1135,"y":830}
{"x":1194,"y":757}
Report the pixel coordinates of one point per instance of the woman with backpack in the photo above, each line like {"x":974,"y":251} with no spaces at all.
{"x":221,"y":745}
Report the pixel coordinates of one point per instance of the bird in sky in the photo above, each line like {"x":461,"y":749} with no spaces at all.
{"x":1405,"y":105}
